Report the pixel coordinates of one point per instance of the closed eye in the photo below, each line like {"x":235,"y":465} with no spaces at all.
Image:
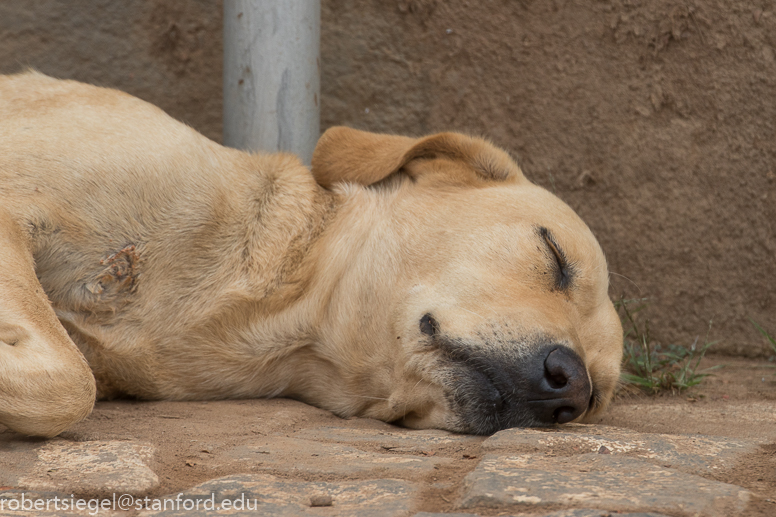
{"x":564,"y":272}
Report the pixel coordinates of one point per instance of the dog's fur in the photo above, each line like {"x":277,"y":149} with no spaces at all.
{"x":409,"y":280}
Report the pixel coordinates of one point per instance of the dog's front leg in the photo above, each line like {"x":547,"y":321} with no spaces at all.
{"x":45,"y":382}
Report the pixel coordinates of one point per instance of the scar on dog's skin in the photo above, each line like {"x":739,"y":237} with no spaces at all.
{"x":420,"y":281}
{"x":120,"y":272}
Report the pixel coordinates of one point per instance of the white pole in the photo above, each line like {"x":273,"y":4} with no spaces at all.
{"x":272,"y":76}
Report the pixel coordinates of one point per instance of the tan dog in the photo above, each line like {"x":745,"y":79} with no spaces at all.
{"x":418,"y":281}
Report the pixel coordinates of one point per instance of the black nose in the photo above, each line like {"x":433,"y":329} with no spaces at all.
{"x":560,"y":390}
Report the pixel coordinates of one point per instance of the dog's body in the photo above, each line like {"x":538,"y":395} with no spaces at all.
{"x":420,"y":281}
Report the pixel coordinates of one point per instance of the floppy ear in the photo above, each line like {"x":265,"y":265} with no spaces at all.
{"x":349,"y":155}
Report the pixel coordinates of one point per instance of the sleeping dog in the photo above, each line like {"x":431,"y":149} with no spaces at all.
{"x":421,"y":281}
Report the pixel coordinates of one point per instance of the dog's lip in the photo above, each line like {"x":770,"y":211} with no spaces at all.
{"x":595,"y":400}
{"x":490,"y":397}
{"x":497,"y":403}
{"x":591,"y":405}
{"x":541,"y":400}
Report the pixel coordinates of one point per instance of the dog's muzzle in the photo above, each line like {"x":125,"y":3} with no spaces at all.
{"x":496,"y":391}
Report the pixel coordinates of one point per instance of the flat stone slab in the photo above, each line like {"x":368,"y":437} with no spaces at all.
{"x":688,"y":453}
{"x":269,"y":495}
{"x":289,"y":455}
{"x":603,"y":481}
{"x":95,"y":468}
{"x":403,"y":440}
{"x":579,"y":512}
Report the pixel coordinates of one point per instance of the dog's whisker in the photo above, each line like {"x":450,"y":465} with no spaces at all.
{"x":404,"y":410}
{"x":626,"y":278}
{"x":476,"y":314}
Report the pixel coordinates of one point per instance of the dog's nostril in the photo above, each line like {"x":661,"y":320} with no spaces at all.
{"x":556,"y":381}
{"x":558,"y":369}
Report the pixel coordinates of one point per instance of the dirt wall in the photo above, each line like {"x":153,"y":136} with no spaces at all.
{"x":654,"y":120}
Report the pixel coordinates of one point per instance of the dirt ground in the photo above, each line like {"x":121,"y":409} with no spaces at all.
{"x":191,"y":438}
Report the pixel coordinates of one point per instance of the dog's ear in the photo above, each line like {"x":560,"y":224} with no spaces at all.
{"x":349,"y":155}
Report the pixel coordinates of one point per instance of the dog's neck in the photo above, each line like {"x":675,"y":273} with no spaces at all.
{"x":313,"y":313}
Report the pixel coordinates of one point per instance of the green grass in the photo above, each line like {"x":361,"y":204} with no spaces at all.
{"x":768,"y":337}
{"x":651,"y":367}
{"x":771,"y":340}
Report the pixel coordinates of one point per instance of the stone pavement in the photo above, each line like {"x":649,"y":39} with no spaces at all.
{"x":569,"y":471}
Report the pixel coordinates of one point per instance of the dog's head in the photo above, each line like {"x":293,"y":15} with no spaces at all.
{"x":478,"y":301}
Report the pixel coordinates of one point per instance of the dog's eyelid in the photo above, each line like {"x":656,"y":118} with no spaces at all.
{"x":558,"y":254}
{"x":554,"y":248}
{"x":564,"y":270}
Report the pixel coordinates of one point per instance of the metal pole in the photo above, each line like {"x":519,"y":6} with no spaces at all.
{"x":271,"y":75}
